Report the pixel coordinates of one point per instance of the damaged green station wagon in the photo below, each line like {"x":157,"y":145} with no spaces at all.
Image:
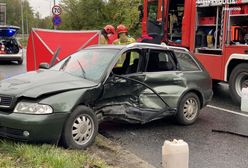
{"x":136,"y":83}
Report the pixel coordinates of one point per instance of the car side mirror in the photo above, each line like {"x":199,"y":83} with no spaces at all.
{"x":44,"y":65}
{"x":141,"y":12}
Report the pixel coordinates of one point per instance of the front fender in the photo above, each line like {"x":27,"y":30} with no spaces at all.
{"x":64,"y":102}
{"x":67,"y":101}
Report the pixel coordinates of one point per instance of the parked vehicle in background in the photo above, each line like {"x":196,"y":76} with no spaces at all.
{"x":215,"y":31}
{"x":10,"y":47}
{"x":67,"y":101}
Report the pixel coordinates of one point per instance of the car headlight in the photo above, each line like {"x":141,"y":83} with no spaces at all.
{"x":33,"y":108}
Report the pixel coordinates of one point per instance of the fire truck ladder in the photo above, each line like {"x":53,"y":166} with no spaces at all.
{"x":202,"y":3}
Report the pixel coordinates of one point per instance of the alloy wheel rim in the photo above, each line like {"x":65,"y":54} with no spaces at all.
{"x":190,"y":108}
{"x":82,"y":129}
{"x":241,"y":82}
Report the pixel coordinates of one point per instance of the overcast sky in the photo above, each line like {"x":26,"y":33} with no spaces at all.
{"x":43,"y":6}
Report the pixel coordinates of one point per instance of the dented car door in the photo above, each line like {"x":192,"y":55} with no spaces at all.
{"x":161,"y":74}
{"x":123,"y":90}
{"x":144,"y":94}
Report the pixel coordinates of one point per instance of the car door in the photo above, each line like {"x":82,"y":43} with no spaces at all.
{"x":124,"y":90}
{"x":163,"y":76}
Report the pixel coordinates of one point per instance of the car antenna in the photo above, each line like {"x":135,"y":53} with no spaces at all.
{"x":55,"y":56}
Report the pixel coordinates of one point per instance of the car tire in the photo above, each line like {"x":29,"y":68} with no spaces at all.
{"x":188,"y":109}
{"x":238,"y":80}
{"x":80,"y":129}
{"x":19,"y":62}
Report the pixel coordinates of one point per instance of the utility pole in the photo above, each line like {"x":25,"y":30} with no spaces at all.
{"x":27,"y":24}
{"x":22,"y":21}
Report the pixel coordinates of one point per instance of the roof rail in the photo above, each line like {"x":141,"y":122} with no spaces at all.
{"x":143,"y":44}
{"x":218,"y":2}
{"x":178,"y":48}
{"x":163,"y":45}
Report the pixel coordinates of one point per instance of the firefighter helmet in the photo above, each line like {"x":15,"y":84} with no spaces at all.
{"x":122,"y":29}
{"x":109,"y":29}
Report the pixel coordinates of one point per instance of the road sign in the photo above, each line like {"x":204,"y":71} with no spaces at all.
{"x":57,"y":20}
{"x":56,"y":10}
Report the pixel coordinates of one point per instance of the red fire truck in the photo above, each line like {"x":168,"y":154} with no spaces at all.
{"x":216,"y":31}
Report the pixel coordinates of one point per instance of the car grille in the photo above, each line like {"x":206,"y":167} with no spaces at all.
{"x":5,"y":101}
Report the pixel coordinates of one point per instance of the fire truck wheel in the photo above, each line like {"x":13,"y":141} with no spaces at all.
{"x":215,"y":83}
{"x":238,"y":80}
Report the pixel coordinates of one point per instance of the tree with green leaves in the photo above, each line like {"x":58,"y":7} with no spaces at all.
{"x":78,"y":15}
{"x":31,"y":19}
{"x":95,"y":14}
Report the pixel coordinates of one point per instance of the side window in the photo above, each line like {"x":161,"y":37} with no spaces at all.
{"x":186,"y":62}
{"x":160,"y":61}
{"x":128,"y":63}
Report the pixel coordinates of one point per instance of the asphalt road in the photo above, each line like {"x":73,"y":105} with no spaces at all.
{"x":8,"y":69}
{"x":208,"y":149}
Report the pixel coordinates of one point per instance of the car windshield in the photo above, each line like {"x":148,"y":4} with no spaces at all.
{"x":88,"y":63}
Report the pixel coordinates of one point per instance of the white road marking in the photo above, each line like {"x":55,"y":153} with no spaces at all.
{"x":228,"y":111}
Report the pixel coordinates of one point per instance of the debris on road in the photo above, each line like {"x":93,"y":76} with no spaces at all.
{"x":230,"y":132}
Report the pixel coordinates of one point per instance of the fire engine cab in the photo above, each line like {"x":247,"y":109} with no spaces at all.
{"x":216,"y":31}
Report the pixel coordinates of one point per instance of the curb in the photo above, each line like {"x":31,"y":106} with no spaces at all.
{"x":115,"y":155}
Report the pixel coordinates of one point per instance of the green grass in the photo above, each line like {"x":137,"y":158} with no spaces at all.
{"x":21,"y":155}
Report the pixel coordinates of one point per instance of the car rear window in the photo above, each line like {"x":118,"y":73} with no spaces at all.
{"x":186,"y":62}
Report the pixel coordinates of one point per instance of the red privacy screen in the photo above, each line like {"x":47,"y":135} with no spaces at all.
{"x":42,"y":44}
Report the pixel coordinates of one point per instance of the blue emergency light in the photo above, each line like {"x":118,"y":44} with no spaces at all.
{"x":7,"y":32}
{"x":11,"y":32}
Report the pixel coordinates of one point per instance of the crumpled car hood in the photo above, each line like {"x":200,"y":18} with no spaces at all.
{"x":36,"y":83}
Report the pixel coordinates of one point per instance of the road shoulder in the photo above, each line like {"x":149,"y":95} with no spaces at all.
{"x":115,"y":155}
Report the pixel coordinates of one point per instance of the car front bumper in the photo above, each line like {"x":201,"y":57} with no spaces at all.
{"x":34,"y":128}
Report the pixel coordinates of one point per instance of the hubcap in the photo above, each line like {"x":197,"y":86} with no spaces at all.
{"x":190,"y":108}
{"x":82,"y":129}
{"x":241,"y":82}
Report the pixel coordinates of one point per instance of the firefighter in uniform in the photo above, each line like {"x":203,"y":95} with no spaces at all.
{"x":106,"y":34}
{"x":123,"y":39}
{"x":123,"y":36}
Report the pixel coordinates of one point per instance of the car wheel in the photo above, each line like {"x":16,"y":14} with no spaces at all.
{"x":188,"y":109}
{"x":238,"y":80}
{"x":80,"y":129}
{"x":19,"y":62}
